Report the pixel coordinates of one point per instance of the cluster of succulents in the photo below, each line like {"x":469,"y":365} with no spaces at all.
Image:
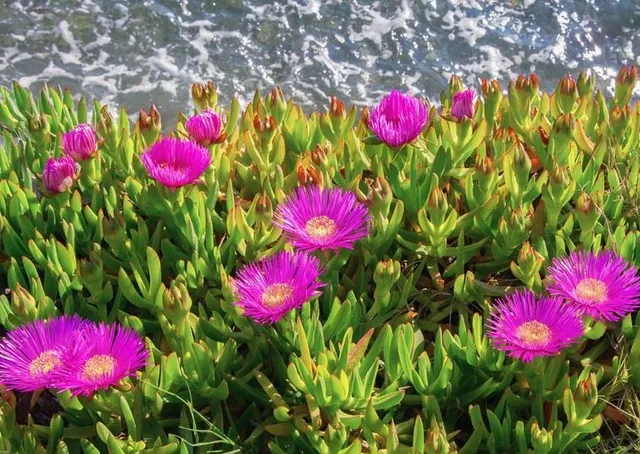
{"x":404,"y":278}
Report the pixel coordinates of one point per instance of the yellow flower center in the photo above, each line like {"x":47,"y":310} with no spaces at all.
{"x":98,"y":366}
{"x":47,"y":361}
{"x":592,"y":291}
{"x":320,"y":227}
{"x":534,"y":333}
{"x":276,"y":294}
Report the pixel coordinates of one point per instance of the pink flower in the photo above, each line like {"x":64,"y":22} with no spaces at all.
{"x":204,"y":128}
{"x":314,"y":218}
{"x":175,"y":162}
{"x":398,"y":119}
{"x":527,"y":327}
{"x":603,"y":286}
{"x":59,"y":174}
{"x":463,"y":104}
{"x":105,"y":355}
{"x":31,"y":354}
{"x":80,"y":143}
{"x":268,"y":289}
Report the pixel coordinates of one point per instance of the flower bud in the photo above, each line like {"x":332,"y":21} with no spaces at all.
{"x":585,"y":397}
{"x":336,"y":107}
{"x":521,"y":160}
{"x":455,"y":85}
{"x":529,"y":84}
{"x":24,"y":305}
{"x":319,"y":156}
{"x":536,"y":164}
{"x":502,"y":140}
{"x":80,"y":143}
{"x":277,"y":103}
{"x":566,"y":94}
{"x":264,"y":208}
{"x":562,"y":131}
{"x":625,"y":84}
{"x":309,"y":176}
{"x":492,"y":94}
{"x":149,"y":124}
{"x":620,"y":120}
{"x":40,"y":129}
{"x":380,"y":195}
{"x":60,"y":174}
{"x":559,"y":175}
{"x":528,"y":266}
{"x":587,"y":211}
{"x":205,"y":128}
{"x":463,"y":104}
{"x":364,"y":117}
{"x":176,"y":302}
{"x":437,"y":199}
{"x":484,"y":164}
{"x":586,"y":83}
{"x":541,"y":439}
{"x":544,"y":136}
{"x":204,"y":96}
{"x":386,"y":273}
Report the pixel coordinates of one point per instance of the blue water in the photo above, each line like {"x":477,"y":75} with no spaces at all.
{"x":133,"y":53}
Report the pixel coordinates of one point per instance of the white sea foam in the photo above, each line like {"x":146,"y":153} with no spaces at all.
{"x":134,"y":54}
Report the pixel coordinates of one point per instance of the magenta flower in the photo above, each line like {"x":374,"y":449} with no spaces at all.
{"x":527,"y":327}
{"x":31,"y":354}
{"x":314,"y":218}
{"x":175,"y":162}
{"x":463,"y":104}
{"x":204,"y":128}
{"x":268,"y":289}
{"x":80,"y":143}
{"x":603,"y":286}
{"x":59,"y":174}
{"x":398,"y":119}
{"x":105,"y":355}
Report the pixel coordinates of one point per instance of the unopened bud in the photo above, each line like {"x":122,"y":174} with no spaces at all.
{"x":336,"y":107}
{"x":319,"y":156}
{"x":559,"y":175}
{"x":149,"y":124}
{"x":455,"y":85}
{"x":24,"y":305}
{"x":586,"y":83}
{"x":204,"y":96}
{"x":437,"y":199}
{"x":309,"y":176}
{"x":40,"y":129}
{"x":528,"y":84}
{"x":620,"y":120}
{"x":566,"y":94}
{"x":364,"y":116}
{"x":625,"y":84}
{"x":264,"y":207}
{"x":484,"y":164}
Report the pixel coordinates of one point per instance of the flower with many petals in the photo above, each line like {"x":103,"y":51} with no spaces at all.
{"x":603,"y":286}
{"x":175,"y":163}
{"x":527,"y":327}
{"x":398,"y":119}
{"x":463,"y":104}
{"x":31,"y":354}
{"x":204,"y":128}
{"x":268,"y":289}
{"x":103,"y":356}
{"x":314,"y":218}
{"x":59,"y":174}
{"x":80,"y":143}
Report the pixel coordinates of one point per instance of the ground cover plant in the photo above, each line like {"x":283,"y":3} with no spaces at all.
{"x":402,"y":278}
